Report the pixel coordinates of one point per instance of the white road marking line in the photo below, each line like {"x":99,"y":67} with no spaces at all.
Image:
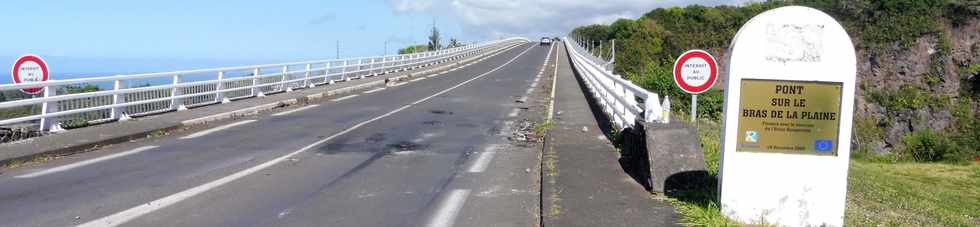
{"x":343,"y":98}
{"x":85,"y":163}
{"x":146,"y":208}
{"x":295,"y":110}
{"x":483,"y":161}
{"x":417,"y":79}
{"x":554,"y":84}
{"x":446,"y":215}
{"x":215,"y":129}
{"x":397,"y":84}
{"x":513,"y":113}
{"x":374,"y":90}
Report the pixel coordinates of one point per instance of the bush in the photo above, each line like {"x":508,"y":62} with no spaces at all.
{"x":929,"y":146}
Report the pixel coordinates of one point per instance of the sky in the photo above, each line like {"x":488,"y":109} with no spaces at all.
{"x":107,"y":37}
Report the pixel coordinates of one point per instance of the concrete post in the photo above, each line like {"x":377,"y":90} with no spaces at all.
{"x":255,"y":83}
{"x":116,"y":113}
{"x":47,"y":107}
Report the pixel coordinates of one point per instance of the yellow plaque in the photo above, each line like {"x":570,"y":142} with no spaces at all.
{"x":790,"y":117}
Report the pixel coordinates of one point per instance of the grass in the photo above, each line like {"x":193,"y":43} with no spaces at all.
{"x":542,"y":128}
{"x":913,"y":194}
{"x":878,"y":193}
{"x":701,"y":207}
{"x":16,"y":163}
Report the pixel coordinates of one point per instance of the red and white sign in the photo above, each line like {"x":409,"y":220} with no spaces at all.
{"x":29,"y":69}
{"x":695,"y":71}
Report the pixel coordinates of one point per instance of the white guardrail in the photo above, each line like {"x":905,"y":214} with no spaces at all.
{"x":153,"y":93}
{"x":619,"y":98}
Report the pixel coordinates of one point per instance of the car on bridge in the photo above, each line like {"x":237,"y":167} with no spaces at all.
{"x":545,"y":41}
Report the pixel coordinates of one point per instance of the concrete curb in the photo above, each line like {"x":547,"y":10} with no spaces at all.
{"x":85,"y":147}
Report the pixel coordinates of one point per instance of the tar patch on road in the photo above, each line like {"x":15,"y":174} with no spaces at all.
{"x":441,"y":112}
{"x":406,"y":146}
{"x":376,"y":138}
{"x":432,"y":123}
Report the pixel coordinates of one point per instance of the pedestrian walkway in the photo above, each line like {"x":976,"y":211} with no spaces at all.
{"x":583,"y":183}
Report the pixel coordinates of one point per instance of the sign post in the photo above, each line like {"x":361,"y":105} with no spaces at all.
{"x":787,"y":123}
{"x":29,"y":69}
{"x":695,"y":72}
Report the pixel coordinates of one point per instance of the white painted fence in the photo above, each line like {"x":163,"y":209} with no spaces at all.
{"x":621,"y":100}
{"x":153,"y":93}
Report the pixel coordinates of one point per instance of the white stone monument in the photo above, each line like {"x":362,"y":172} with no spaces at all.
{"x":787,"y":120}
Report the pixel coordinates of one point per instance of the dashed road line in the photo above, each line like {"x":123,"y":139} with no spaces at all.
{"x":449,"y":209}
{"x":483,"y":160}
{"x":554,"y":84}
{"x":215,"y":129}
{"x":374,"y":90}
{"x":295,"y":110}
{"x":343,"y":98}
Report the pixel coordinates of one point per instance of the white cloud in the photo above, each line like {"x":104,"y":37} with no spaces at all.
{"x":493,"y":18}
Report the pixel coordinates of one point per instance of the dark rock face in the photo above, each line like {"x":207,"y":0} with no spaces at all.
{"x":923,"y":66}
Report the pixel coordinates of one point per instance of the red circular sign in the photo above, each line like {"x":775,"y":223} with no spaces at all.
{"x":695,"y":71}
{"x":29,"y":69}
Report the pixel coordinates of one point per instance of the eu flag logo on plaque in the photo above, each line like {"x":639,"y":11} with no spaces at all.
{"x":823,"y":145}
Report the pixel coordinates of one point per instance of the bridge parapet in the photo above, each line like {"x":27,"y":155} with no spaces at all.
{"x":621,"y":100}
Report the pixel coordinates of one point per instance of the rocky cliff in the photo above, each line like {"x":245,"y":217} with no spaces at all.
{"x":916,"y":88}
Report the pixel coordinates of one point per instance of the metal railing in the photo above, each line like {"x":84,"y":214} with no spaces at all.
{"x":125,"y":96}
{"x":621,"y":100}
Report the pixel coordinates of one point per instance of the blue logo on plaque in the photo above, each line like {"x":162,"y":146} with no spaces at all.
{"x":823,"y":145}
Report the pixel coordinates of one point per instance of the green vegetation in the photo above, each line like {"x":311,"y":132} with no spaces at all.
{"x":912,"y":194}
{"x":434,"y":39}
{"x":907,"y":98}
{"x":647,"y":47}
{"x":973,"y":69}
{"x":542,"y":128}
{"x":79,"y":121}
{"x":700,"y":207}
{"x":434,"y":43}
{"x":84,"y":88}
{"x":891,"y":190}
{"x":413,"y":49}
{"x":878,"y":193}
{"x":929,"y":146}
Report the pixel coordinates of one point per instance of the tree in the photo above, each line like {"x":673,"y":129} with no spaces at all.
{"x":413,"y":49}
{"x":454,"y":43}
{"x":434,"y":39}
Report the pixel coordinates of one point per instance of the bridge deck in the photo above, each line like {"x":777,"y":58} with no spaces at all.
{"x":400,"y":156}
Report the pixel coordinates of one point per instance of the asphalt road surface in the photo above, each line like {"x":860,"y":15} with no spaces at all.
{"x":431,"y":152}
